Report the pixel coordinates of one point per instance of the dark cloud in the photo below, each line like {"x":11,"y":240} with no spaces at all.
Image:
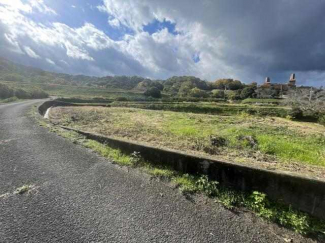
{"x":240,"y":39}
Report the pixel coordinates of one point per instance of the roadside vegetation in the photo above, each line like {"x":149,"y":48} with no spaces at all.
{"x":8,"y":94}
{"x":191,"y":184}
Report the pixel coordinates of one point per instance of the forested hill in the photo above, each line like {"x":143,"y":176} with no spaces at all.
{"x":10,"y":71}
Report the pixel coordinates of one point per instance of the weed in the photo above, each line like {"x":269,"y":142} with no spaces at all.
{"x":203,"y":184}
{"x":164,"y":173}
{"x":136,"y":158}
{"x":186,"y":183}
{"x":23,"y":189}
{"x":259,"y":203}
{"x":114,"y":154}
{"x":229,"y":199}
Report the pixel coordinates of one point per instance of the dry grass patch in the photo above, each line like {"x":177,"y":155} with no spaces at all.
{"x":272,"y":143}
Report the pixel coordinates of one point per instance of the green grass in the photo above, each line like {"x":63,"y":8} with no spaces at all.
{"x":208,"y":108}
{"x":280,"y":139}
{"x":114,"y":154}
{"x":159,"y":172}
{"x":262,"y":101}
{"x":186,"y":183}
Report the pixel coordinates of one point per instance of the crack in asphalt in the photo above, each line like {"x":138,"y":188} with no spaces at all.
{"x":82,"y":197}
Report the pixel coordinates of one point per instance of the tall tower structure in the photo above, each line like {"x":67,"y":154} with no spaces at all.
{"x":292,"y":81}
{"x":267,"y":81}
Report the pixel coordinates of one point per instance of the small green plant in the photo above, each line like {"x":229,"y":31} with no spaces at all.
{"x":208,"y":187}
{"x":293,"y":219}
{"x":135,"y":158}
{"x":259,"y":203}
{"x":229,"y":199}
{"x":186,"y":183}
{"x":23,"y":189}
{"x":288,"y":117}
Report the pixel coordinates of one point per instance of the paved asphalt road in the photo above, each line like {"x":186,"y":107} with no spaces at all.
{"x":80,"y":197}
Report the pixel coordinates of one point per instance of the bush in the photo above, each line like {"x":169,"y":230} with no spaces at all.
{"x":198,"y":93}
{"x":153,"y":92}
{"x":218,"y":94}
{"x":22,"y":94}
{"x":5,"y":92}
{"x":38,"y":94}
{"x":296,"y":113}
{"x":321,"y":120}
{"x":121,"y":99}
{"x":247,"y":93}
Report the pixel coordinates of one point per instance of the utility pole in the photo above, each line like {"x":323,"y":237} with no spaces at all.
{"x":310,"y":93}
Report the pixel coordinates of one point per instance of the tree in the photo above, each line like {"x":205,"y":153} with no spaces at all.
{"x":147,"y":83}
{"x":5,"y":92}
{"x":247,"y":93}
{"x":228,"y":84}
{"x":22,"y":94}
{"x":218,"y":94}
{"x":198,"y":93}
{"x":233,"y":95}
{"x":153,"y":92}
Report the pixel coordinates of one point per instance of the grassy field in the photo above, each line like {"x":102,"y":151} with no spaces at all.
{"x":269,"y":142}
{"x":209,"y":108}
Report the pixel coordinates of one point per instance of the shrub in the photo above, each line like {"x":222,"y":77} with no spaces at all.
{"x":22,"y":94}
{"x":208,"y":187}
{"x":5,"y":92}
{"x":198,"y":93}
{"x":296,"y":113}
{"x":247,"y":93}
{"x":38,"y":94}
{"x":153,"y":92}
{"x":321,"y":120}
{"x":218,"y":94}
{"x":121,"y":99}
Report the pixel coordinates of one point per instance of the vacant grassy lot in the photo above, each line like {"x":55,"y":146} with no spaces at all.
{"x":274,"y":143}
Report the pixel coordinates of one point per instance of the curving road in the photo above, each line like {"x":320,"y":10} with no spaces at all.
{"x":80,"y":197}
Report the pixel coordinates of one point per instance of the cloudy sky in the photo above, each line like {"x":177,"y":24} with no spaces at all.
{"x":211,"y":39}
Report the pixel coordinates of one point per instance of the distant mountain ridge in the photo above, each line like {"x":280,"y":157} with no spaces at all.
{"x":10,"y":71}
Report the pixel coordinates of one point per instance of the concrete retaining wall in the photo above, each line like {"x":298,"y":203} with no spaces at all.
{"x":302,"y":193}
{"x":52,"y":103}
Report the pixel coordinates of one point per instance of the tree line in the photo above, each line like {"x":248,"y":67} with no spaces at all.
{"x":6,"y":92}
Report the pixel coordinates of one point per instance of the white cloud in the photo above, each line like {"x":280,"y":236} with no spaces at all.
{"x":238,"y":39}
{"x":31,"y":53}
{"x":234,"y":39}
{"x":114,"y":22}
{"x":28,"y":7}
{"x":50,"y":61}
{"x":15,"y":47}
{"x":77,"y":53}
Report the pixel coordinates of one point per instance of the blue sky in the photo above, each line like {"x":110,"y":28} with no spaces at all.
{"x":209,"y":39}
